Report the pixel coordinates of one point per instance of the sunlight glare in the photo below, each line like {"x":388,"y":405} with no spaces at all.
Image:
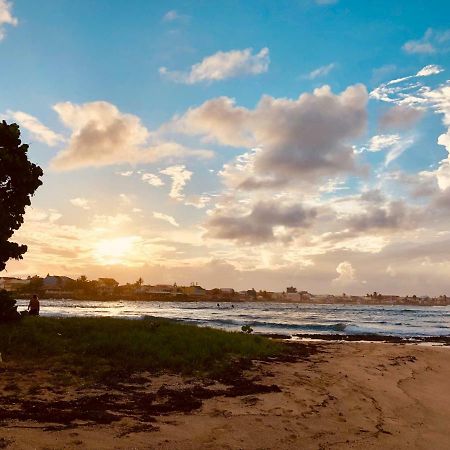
{"x":114,"y":251}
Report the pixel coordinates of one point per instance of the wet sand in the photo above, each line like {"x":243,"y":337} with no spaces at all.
{"x":331,"y":395}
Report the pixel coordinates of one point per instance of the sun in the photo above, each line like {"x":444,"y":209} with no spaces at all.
{"x":114,"y":251}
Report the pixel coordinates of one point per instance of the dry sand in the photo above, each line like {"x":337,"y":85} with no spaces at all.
{"x":347,"y":395}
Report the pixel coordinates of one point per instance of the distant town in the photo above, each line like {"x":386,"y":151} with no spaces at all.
{"x":63,"y":287}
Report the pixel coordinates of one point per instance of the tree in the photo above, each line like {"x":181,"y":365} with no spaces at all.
{"x":36,"y":284}
{"x":19,"y":179}
{"x":8,"y":308}
{"x":81,"y":282}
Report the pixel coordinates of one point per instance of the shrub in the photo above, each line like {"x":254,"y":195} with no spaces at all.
{"x":8,"y":307}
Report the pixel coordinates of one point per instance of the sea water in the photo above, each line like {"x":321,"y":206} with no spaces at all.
{"x":280,"y":318}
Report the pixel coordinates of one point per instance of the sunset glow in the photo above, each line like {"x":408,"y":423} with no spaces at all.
{"x":114,"y":251}
{"x":274,"y":144}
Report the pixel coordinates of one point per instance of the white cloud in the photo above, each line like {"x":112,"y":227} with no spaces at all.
{"x":171,"y":16}
{"x":392,"y":142}
{"x":112,"y":224}
{"x":382,"y":141}
{"x":166,"y":218}
{"x":222,"y":65}
{"x":300,"y":139}
{"x":431,"y":69}
{"x":125,"y":199}
{"x":321,"y":71}
{"x":398,"y":149}
{"x":424,"y":98}
{"x":36,"y":128}
{"x":418,"y":47}
{"x":440,"y":98}
{"x":401,"y":93}
{"x":126,"y":173}
{"x":152,"y":179}
{"x":407,"y":95}
{"x":6,"y":17}
{"x":39,"y":215}
{"x":180,"y":176}
{"x":346,"y":273}
{"x":102,"y":135}
{"x":175,"y":16}
{"x":432,"y":41}
{"x":333,"y":185}
{"x":82,"y":203}
{"x":198,"y":201}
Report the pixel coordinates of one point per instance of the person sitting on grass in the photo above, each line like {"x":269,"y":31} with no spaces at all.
{"x":34,"y":306}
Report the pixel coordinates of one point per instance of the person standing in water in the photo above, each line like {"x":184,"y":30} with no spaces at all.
{"x":34,"y":306}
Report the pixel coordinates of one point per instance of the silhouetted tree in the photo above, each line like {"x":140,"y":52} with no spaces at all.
{"x":19,"y":179}
{"x":82,"y":283}
{"x":8,"y":308}
{"x":36,"y":284}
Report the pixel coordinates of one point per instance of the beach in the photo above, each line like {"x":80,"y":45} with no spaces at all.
{"x":329,"y":395}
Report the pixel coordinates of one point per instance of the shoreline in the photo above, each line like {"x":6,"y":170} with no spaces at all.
{"x":367,"y":337}
{"x":299,"y":337}
{"x":226,"y":300}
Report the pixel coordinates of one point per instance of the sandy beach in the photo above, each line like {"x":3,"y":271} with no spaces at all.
{"x":335,"y":395}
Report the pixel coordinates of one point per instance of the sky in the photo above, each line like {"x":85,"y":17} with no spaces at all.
{"x":235,"y":144}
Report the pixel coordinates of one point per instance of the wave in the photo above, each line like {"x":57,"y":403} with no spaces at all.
{"x":310,"y":327}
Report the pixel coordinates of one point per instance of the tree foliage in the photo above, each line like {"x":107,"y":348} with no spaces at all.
{"x":8,"y":308}
{"x":19,"y":179}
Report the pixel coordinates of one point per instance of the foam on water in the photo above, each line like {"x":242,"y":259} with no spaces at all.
{"x":283,"y":318}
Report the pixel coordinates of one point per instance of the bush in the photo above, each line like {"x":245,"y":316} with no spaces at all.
{"x":8,"y":307}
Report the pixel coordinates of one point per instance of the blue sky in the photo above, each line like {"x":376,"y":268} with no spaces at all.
{"x":188,"y":89}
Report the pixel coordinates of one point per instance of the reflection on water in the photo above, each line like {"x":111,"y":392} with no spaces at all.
{"x":271,"y":317}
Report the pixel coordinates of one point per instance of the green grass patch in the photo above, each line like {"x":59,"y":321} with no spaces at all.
{"x":101,"y":346}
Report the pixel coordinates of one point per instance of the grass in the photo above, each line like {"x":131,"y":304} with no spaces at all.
{"x":100,"y":346}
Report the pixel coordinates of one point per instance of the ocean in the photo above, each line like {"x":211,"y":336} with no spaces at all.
{"x":275,"y":318}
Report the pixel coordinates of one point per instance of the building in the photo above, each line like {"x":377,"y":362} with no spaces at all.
{"x":293,"y":297}
{"x":12,"y":284}
{"x":56,"y":281}
{"x":159,"y":289}
{"x":58,"y":286}
{"x":227,"y":291}
{"x":193,"y":290}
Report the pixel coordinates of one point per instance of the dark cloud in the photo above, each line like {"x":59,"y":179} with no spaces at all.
{"x":373,"y":196}
{"x":257,"y":226}
{"x":394,"y":215}
{"x":399,"y":117}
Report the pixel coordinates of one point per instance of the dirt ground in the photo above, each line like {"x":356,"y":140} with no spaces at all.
{"x":331,"y":395}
